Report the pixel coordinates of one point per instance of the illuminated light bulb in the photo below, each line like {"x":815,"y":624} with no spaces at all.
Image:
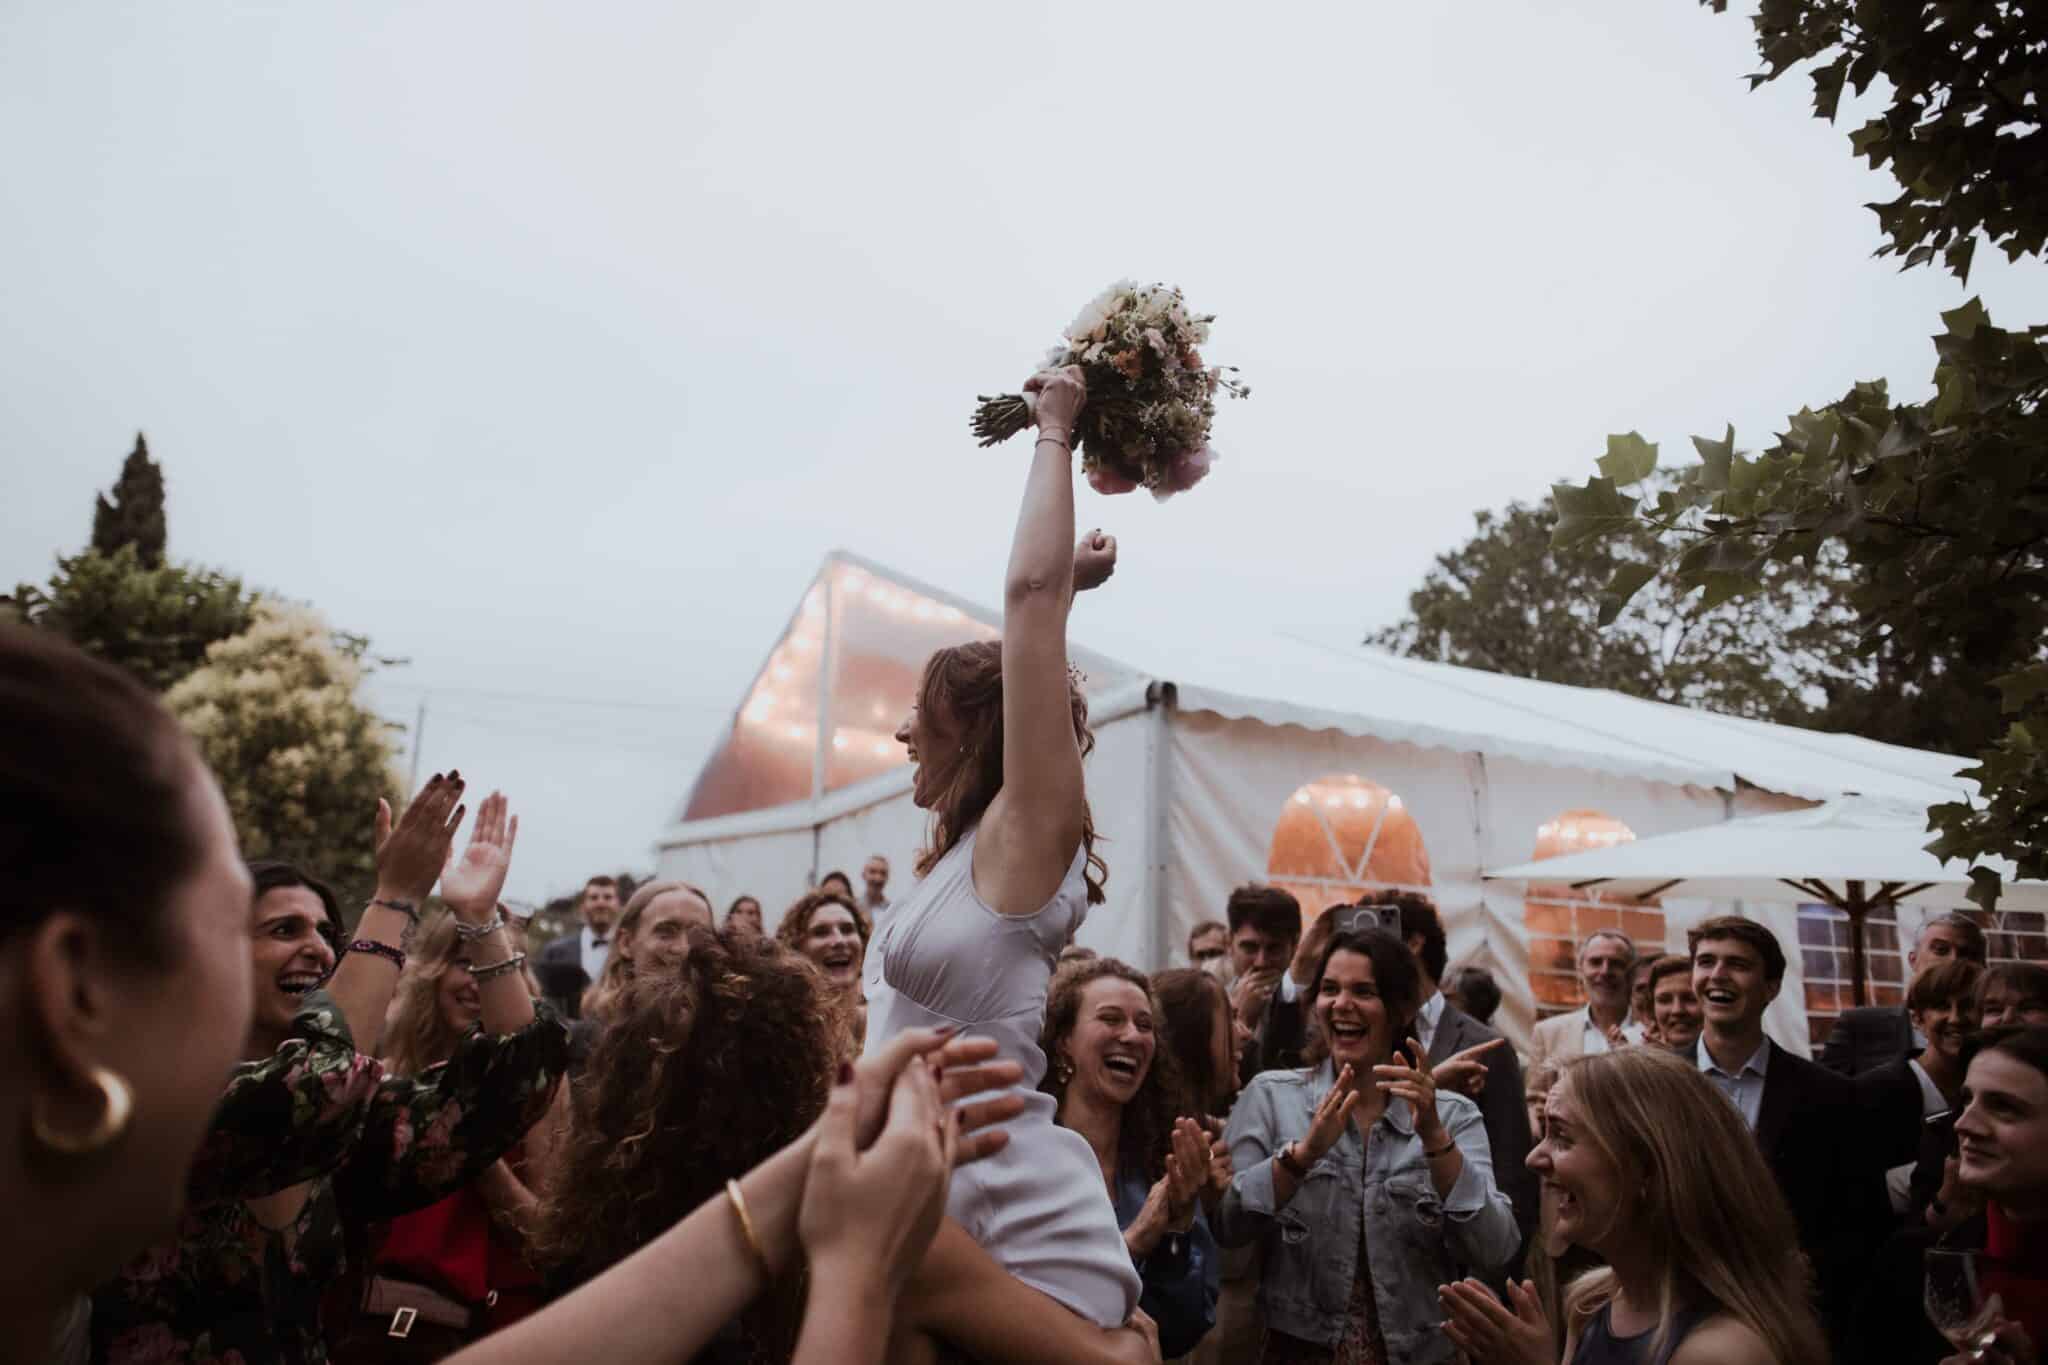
{"x":839,"y":742}
{"x":1303,"y":797}
{"x":1360,"y":800}
{"x":796,"y":732}
{"x":923,"y":610}
{"x":1394,"y":803}
{"x":881,"y":711}
{"x":881,"y":748}
{"x":782,"y":673}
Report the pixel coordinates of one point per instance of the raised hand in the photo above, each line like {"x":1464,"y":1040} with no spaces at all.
{"x":871,"y":1213}
{"x":1187,"y":1170}
{"x":1410,"y":1078}
{"x":1330,"y":1117}
{"x":1058,"y":397}
{"x":472,"y":883}
{"x":1462,"y":1072}
{"x":961,"y":1067}
{"x":1094,"y":560}
{"x":411,"y":854}
{"x":1221,"y":1169}
{"x":1308,"y":954}
{"x":1483,"y":1329}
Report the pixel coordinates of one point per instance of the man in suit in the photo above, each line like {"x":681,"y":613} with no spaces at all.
{"x":1442,"y":1028}
{"x":568,"y":965}
{"x":1805,"y":1118}
{"x":1871,"y":1036}
{"x":1607,"y":962}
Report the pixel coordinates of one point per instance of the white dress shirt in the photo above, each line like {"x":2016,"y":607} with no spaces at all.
{"x":1745,"y":1089}
{"x":1431,"y":1015}
{"x":595,"y":950}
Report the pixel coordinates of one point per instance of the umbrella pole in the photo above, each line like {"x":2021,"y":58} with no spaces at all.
{"x":1857,"y":907}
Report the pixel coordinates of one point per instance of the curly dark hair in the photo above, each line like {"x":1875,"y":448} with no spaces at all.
{"x":796,"y":921}
{"x":1147,"y":1132}
{"x":697,"y":1078}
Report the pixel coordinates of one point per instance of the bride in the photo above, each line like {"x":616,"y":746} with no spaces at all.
{"x":997,"y":736}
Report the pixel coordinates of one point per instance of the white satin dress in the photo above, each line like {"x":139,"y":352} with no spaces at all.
{"x":1039,"y":1206}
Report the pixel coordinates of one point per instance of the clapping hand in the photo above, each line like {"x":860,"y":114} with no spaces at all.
{"x":1187,"y":1171}
{"x":1094,"y":560}
{"x":1331,"y":1115}
{"x":411,"y":854}
{"x":1483,"y":1329}
{"x":869,"y":1213}
{"x":960,"y":1067}
{"x":1462,"y":1072}
{"x":1221,"y":1169}
{"x":1410,"y":1079}
{"x":471,"y":884}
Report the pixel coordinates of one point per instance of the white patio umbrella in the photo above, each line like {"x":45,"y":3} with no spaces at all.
{"x":1855,"y":853}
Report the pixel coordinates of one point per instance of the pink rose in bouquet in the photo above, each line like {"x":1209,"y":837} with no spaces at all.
{"x":1151,"y":398}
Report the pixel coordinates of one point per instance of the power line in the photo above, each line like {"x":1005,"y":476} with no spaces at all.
{"x":540,"y":699}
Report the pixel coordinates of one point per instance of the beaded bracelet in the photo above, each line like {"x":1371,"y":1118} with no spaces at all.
{"x":371,"y":946}
{"x":485,"y":973}
{"x":470,"y":933}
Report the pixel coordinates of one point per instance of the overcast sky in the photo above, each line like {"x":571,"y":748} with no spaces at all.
{"x":552,"y":346}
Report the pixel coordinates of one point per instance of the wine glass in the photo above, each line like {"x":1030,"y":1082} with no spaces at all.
{"x":1955,"y":1299}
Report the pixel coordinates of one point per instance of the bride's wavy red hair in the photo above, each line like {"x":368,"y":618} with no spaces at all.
{"x":963,"y":685}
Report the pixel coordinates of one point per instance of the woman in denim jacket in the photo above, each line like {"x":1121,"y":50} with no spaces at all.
{"x":1366,"y":1186}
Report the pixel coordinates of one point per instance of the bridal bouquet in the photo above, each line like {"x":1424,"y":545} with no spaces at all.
{"x":1150,"y":397}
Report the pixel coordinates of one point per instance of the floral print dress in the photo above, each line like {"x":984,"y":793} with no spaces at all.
{"x":233,"y":1291}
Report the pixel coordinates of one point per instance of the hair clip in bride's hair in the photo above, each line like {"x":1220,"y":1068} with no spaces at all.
{"x":1076,"y":676}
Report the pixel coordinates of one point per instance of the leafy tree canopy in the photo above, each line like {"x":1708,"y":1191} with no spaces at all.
{"x":302,"y":762}
{"x":155,"y":622}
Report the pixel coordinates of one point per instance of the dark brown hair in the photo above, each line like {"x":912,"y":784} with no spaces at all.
{"x":1418,"y":917}
{"x":796,"y":921}
{"x":2027,"y":980}
{"x":1395,"y":975}
{"x":1188,"y":1001}
{"x":1147,"y":1130}
{"x":699,"y":1077}
{"x":1945,"y":981}
{"x":963,"y":685}
{"x":96,"y":813}
{"x":1742,"y":931}
{"x":1269,"y":909}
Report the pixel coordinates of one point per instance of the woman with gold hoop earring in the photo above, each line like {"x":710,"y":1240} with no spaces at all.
{"x":313,"y":1141}
{"x":124,"y":976}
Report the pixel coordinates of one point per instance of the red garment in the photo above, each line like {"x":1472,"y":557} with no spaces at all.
{"x":2015,"y":1267}
{"x":453,"y":1246}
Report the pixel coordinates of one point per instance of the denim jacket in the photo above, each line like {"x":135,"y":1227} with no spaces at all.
{"x":1417,"y":1240}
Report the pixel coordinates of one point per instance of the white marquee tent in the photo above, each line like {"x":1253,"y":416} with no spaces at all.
{"x":1323,"y":767}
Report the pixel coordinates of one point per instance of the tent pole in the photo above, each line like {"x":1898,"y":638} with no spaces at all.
{"x":1857,"y":908}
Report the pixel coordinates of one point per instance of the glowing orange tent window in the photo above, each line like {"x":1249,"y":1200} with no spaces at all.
{"x":1341,"y":835}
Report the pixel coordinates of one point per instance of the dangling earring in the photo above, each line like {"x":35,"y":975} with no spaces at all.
{"x":1062,"y":1071}
{"x":117,"y":1101}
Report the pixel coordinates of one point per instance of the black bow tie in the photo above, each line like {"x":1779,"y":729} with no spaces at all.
{"x":597,"y":941}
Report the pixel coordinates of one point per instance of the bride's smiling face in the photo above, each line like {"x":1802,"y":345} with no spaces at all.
{"x":934,"y":751}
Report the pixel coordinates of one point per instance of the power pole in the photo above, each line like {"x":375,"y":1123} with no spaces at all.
{"x":419,"y":734}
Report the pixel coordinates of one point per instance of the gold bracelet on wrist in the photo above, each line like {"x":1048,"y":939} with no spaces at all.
{"x":739,"y":1207}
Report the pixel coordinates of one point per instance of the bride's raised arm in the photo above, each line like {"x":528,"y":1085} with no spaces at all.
{"x":1034,"y":824}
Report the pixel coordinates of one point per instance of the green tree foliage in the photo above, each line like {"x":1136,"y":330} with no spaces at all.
{"x":1963,"y":131}
{"x":155,"y":622}
{"x":302,"y":761}
{"x":1942,"y":509}
{"x":1941,"y":505}
{"x":1508,"y":602}
{"x":134,"y":515}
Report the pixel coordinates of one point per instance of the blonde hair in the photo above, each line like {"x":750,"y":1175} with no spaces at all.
{"x":418,"y":1035}
{"x":1718,"y":1234}
{"x":603,"y":994}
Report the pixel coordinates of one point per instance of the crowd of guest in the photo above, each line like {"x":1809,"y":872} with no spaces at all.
{"x":244,"y":1120}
